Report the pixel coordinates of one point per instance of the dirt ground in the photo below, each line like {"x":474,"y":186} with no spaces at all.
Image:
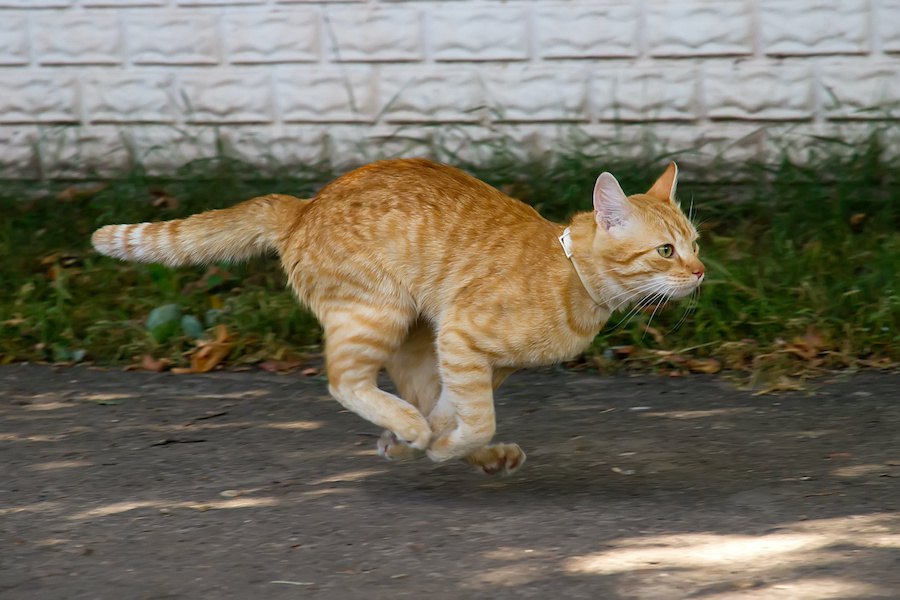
{"x":127,"y":485}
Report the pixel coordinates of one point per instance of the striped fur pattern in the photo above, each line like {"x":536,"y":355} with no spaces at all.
{"x":445,"y":282}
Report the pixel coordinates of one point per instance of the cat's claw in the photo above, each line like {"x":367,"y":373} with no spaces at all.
{"x":497,"y":459}
{"x":390,"y":447}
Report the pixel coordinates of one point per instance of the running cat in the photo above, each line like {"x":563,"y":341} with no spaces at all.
{"x":445,"y":282}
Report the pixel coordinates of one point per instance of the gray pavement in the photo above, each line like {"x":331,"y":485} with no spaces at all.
{"x":249,"y":485}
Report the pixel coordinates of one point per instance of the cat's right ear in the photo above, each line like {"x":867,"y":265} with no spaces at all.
{"x":611,"y":205}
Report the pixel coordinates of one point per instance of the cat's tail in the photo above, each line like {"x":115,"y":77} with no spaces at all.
{"x":232,"y":234}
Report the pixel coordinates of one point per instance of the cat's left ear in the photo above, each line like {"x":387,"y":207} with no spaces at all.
{"x":611,"y":206}
{"x":664,"y":188}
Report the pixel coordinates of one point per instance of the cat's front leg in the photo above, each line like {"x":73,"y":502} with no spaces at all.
{"x":463,"y":419}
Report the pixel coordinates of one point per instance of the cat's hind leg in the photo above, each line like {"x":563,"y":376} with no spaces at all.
{"x":357,"y":345}
{"x":413,"y":369}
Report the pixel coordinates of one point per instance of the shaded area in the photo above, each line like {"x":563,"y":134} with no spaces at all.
{"x":249,"y":485}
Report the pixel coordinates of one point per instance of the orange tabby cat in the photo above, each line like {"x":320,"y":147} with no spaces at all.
{"x":445,"y":282}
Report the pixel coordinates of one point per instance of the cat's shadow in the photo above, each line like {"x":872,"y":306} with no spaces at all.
{"x":547,"y":478}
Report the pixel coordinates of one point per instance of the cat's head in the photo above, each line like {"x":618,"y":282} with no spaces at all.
{"x":645,"y":242}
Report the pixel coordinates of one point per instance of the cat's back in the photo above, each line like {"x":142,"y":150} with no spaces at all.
{"x":414,"y":227}
{"x":413,"y":189}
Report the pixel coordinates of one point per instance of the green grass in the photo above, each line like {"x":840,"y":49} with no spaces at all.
{"x":792,"y":249}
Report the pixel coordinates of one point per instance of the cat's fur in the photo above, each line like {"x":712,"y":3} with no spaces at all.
{"x":442,"y":280}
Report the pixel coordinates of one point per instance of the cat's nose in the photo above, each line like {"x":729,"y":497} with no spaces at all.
{"x":699,"y":272}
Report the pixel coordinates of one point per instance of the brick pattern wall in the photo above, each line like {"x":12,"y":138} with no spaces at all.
{"x":99,"y":84}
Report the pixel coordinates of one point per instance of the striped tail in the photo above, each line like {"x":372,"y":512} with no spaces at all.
{"x":232,"y":234}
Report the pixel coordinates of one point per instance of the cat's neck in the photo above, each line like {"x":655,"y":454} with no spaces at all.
{"x":599,"y":289}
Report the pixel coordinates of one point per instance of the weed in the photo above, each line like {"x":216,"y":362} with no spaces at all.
{"x":793,"y":249}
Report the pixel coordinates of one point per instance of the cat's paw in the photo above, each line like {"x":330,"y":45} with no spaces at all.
{"x":497,"y":459}
{"x":415,"y":432}
{"x":391,"y":448}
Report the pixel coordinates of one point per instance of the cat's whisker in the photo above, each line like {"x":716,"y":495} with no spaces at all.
{"x":633,"y":293}
{"x":643,"y":303}
{"x":631,"y":298}
{"x":665,"y":298}
{"x":691,"y":306}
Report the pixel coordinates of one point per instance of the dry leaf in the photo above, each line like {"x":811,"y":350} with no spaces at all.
{"x":623,"y":351}
{"x":309,"y":372}
{"x":181,"y":370}
{"x":280,"y":366}
{"x":704,"y":365}
{"x":163,"y":200}
{"x":15,"y":321}
{"x":148,"y":363}
{"x":807,"y":346}
{"x":80,"y":190}
{"x":209,"y":353}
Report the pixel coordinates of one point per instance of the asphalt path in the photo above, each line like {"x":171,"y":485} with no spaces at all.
{"x":131,"y":485}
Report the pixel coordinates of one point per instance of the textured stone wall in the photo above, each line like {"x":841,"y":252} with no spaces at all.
{"x":100,"y":84}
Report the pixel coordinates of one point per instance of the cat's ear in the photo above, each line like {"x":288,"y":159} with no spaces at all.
{"x":611,"y":206}
{"x":664,"y":188}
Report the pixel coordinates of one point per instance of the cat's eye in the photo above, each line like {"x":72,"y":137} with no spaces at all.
{"x":696,"y":248}
{"x":666,"y":250}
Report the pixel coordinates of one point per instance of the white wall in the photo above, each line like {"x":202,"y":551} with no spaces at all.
{"x":100,"y":83}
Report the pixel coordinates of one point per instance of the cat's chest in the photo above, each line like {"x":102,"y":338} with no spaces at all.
{"x":543,"y":346}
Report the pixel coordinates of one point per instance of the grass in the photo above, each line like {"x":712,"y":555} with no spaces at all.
{"x":802,"y":259}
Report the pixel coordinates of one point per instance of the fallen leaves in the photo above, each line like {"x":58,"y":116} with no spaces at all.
{"x":704,"y":365}
{"x":148,"y":363}
{"x":163,"y":200}
{"x":676,"y":364}
{"x":281,"y":366}
{"x":209,"y":353}
{"x":80,"y":191}
{"x":205,"y":356}
{"x":807,"y":347}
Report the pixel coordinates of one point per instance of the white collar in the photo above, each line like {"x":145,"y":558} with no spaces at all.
{"x":565,"y":241}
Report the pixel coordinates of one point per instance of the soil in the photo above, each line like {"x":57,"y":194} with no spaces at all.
{"x":131,"y":485}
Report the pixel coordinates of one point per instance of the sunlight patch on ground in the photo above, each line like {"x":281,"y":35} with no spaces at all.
{"x":244,"y":395}
{"x":15,"y":437}
{"x":44,"y":406}
{"x":37,"y":507}
{"x":812,"y":588}
{"x":809,"y":434}
{"x":697,"y":414}
{"x":296,"y":425}
{"x":325,"y":492}
{"x":861,"y":470}
{"x":53,"y":465}
{"x":507,"y":553}
{"x":121,"y":507}
{"x":347,"y":476}
{"x":105,"y":397}
{"x":772,"y":565}
{"x":698,"y":550}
